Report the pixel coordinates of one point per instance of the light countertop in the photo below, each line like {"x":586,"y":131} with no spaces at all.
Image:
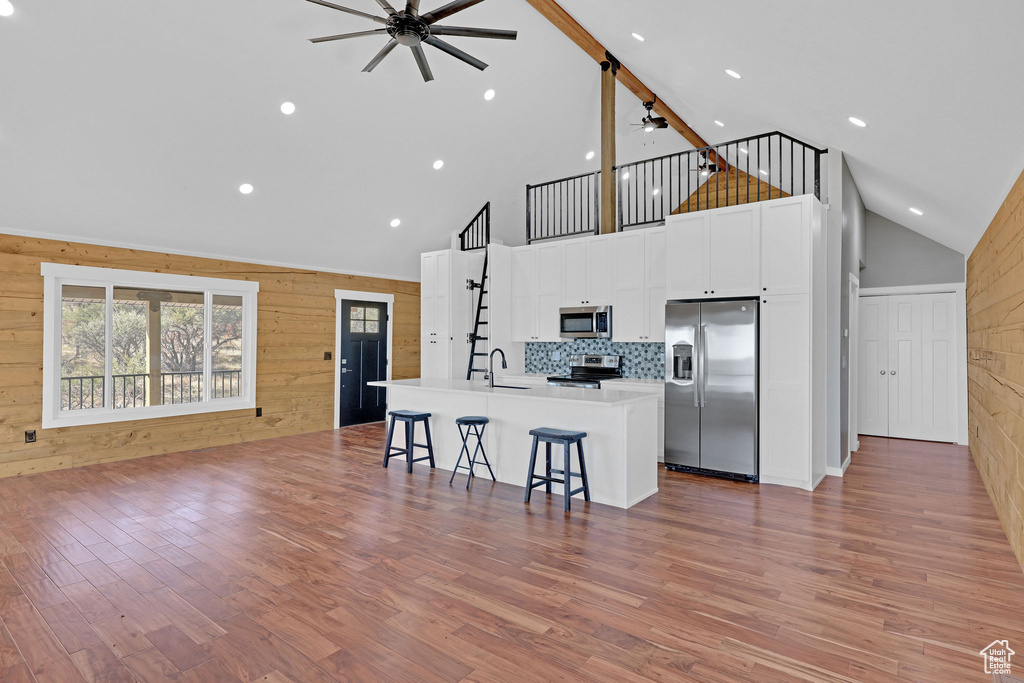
{"x":608,"y":397}
{"x":624,"y":382}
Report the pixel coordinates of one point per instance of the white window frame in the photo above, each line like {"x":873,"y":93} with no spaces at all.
{"x":56,"y":275}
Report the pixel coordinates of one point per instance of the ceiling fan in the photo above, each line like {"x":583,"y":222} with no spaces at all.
{"x":650,"y":123}
{"x":703,"y":166}
{"x":410,"y":28}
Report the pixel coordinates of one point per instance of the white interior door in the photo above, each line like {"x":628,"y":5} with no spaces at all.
{"x":938,"y":367}
{"x":905,"y":382}
{"x":873,"y":389}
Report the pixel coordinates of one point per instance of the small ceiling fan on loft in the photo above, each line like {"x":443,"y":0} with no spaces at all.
{"x":410,"y":28}
{"x":704,"y":167}
{"x":651,"y":123}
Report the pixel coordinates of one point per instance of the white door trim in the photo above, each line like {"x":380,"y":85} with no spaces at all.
{"x":959,"y":290}
{"x":853,"y":345}
{"x":339,"y":295}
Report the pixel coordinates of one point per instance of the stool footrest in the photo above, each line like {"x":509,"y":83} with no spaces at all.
{"x":562,"y":472}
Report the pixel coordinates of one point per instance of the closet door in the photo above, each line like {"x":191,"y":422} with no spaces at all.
{"x":938,"y":367}
{"x":905,"y":376}
{"x":873,"y":392}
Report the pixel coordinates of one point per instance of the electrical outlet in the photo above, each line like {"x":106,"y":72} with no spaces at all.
{"x":30,"y":436}
{"x":327,"y":355}
{"x":259,"y":412}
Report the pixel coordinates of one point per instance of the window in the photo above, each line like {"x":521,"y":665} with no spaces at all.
{"x":123,"y":345}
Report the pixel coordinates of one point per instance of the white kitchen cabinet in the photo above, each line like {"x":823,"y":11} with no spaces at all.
{"x":786,"y":246}
{"x":734,"y":251}
{"x":785,"y":415}
{"x":435,"y":314}
{"x":715,"y":254}
{"x":639,"y":301}
{"x":588,"y":271}
{"x":536,"y":292}
{"x":686,"y":237}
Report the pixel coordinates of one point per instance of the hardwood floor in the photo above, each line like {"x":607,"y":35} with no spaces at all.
{"x":302,"y":559}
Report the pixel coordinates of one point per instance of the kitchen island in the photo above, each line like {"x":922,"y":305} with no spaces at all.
{"x":621,"y":426}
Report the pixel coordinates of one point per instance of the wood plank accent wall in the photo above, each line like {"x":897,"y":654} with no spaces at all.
{"x":738,"y":188}
{"x":995,"y":362}
{"x":294,"y":384}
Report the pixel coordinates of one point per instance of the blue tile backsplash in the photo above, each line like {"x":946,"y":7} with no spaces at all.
{"x":643,"y":360}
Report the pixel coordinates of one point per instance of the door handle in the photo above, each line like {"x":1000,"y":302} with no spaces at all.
{"x":704,"y":366}
{"x":891,"y":372}
{"x":881,"y":372}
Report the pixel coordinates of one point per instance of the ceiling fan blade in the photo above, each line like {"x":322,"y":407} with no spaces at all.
{"x":421,"y":62}
{"x":386,"y":6}
{"x":448,"y":10}
{"x":384,"y":52}
{"x":455,"y":52}
{"x":500,"y":34}
{"x":412,"y":7}
{"x":343,"y":36}
{"x":364,"y":15}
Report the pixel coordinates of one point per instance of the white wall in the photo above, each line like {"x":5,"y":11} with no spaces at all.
{"x":896,"y":256}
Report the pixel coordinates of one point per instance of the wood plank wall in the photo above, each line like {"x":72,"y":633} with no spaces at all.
{"x":995,"y":358}
{"x":294,"y":384}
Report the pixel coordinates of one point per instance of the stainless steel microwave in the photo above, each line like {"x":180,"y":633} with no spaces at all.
{"x":585,"y":322}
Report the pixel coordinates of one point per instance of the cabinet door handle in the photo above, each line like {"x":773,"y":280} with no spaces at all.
{"x":881,"y":372}
{"x":892,"y":372}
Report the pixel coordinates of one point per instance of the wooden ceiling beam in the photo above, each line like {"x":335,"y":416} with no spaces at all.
{"x":564,"y":22}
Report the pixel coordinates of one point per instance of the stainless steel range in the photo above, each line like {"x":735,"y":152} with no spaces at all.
{"x":587,"y":371}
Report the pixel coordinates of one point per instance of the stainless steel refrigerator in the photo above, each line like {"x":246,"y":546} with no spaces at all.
{"x":711,"y":387}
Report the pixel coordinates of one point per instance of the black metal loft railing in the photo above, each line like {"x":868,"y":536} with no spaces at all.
{"x":562,"y":208}
{"x":477,"y":235}
{"x":740,"y":171}
{"x":132,"y":390}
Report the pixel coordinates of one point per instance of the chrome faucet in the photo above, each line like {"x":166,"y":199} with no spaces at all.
{"x":490,"y":365}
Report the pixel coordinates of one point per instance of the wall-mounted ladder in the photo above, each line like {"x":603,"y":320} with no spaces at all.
{"x":477,"y":349}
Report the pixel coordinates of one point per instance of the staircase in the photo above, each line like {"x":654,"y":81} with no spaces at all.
{"x":477,"y":338}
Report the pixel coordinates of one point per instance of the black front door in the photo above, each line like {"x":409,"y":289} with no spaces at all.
{"x":364,"y":358}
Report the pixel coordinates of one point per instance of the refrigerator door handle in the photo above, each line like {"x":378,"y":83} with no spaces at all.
{"x":696,"y":367}
{"x":703,"y":365}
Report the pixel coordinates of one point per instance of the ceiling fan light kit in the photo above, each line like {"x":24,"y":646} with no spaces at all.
{"x":410,"y":28}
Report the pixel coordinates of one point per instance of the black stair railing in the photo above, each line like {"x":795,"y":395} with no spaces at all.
{"x":742,"y":171}
{"x":561,"y":208}
{"x":477,"y":235}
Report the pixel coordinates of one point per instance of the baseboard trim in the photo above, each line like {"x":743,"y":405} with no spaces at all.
{"x":839,"y":471}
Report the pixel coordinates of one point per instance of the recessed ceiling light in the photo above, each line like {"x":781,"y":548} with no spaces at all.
{"x":719,"y":123}
{"x":489,"y":95}
{"x":590,"y":155}
{"x":733,"y":73}
{"x":625,"y":176}
{"x":743,"y":150}
{"x":6,"y":8}
{"x":245,"y":188}
{"x":438,"y":164}
{"x":395,"y":223}
{"x":639,"y":37}
{"x":916,"y":212}
{"x":857,"y":122}
{"x":764,"y":172}
{"x":288,"y":108}
{"x":655,"y":192}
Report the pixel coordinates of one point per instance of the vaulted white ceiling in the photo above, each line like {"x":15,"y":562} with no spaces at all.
{"x":127,"y":122}
{"x":937,"y":81}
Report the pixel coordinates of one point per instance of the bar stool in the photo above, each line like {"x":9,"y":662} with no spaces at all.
{"x":474,"y":426}
{"x":410,"y":418}
{"x":566,"y":438}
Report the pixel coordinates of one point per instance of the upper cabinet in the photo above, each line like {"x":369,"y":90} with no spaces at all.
{"x":786,"y":246}
{"x":639,"y":301}
{"x":435,"y":314}
{"x":536,"y":292}
{"x":715,"y":254}
{"x":588,"y":268}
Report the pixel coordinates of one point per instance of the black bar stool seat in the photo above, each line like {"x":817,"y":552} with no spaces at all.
{"x":550,"y":435}
{"x":410,"y":418}
{"x":471,"y":425}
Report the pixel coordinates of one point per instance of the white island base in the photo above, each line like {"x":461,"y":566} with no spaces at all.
{"x":621,"y":426}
